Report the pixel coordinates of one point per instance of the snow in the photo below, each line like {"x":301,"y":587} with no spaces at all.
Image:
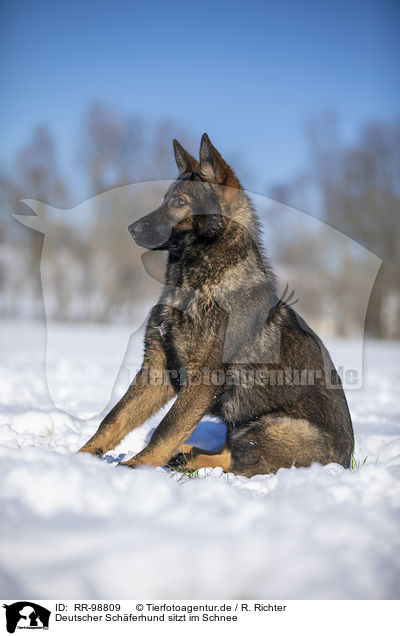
{"x":74,"y":526}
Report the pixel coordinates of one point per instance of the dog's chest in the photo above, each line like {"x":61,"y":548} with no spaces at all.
{"x":178,"y":332}
{"x":162,"y":329}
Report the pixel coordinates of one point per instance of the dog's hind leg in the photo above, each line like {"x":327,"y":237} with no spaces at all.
{"x":195,"y":458}
{"x":272,"y":443}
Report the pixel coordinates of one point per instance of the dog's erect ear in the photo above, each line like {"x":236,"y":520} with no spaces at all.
{"x":184,"y":160}
{"x":213,"y":168}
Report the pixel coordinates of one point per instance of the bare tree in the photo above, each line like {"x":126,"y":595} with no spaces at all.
{"x":116,"y":149}
{"x":36,"y":175}
{"x":109,"y":148}
{"x":356,"y":189}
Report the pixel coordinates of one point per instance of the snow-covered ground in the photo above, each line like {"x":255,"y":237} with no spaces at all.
{"x":73,"y":526}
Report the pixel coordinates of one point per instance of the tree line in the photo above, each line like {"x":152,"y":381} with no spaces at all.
{"x":354,"y":188}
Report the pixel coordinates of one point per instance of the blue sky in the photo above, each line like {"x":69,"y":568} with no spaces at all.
{"x":249,"y":73}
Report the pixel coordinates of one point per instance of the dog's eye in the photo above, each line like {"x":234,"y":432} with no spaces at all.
{"x":178,"y":203}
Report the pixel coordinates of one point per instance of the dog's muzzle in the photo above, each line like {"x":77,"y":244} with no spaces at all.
{"x":147,"y":235}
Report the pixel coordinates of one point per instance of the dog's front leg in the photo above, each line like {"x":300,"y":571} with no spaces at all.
{"x":193,"y":400}
{"x":177,"y":425}
{"x":142,"y":400}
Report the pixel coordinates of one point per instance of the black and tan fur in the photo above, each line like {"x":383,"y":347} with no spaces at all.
{"x":219,"y":312}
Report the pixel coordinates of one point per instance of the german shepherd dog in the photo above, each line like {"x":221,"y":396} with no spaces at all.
{"x":222,"y":341}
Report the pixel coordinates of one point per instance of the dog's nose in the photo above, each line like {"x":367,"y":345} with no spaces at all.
{"x":132,"y":229}
{"x":136,"y":228}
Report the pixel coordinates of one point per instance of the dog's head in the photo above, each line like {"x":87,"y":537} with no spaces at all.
{"x":194,"y":207}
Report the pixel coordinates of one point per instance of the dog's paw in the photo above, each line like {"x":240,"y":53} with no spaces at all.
{"x":131,"y":463}
{"x":99,"y":452}
{"x":179,"y":461}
